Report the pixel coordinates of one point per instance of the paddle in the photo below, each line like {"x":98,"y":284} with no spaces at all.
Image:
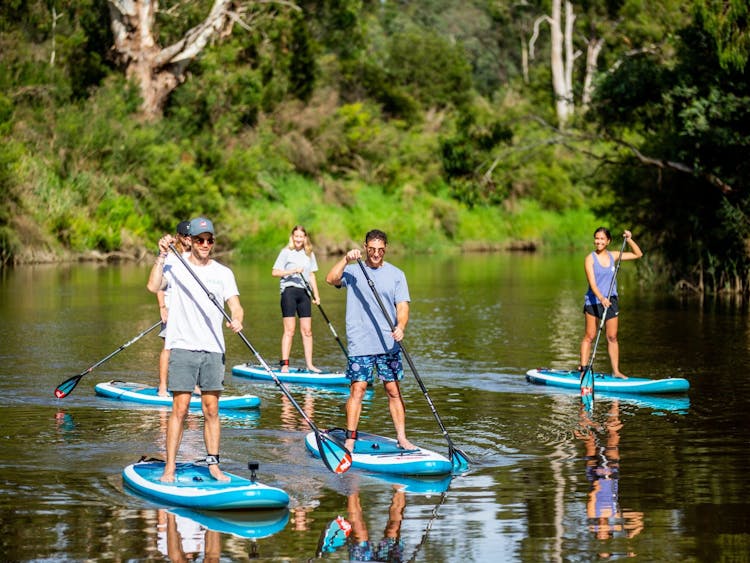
{"x":587,"y":377}
{"x":458,"y":458}
{"x":309,"y":291}
{"x":335,"y":456}
{"x":67,"y":386}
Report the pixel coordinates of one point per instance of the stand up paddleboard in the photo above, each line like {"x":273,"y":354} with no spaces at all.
{"x":606,"y":382}
{"x":383,"y":455}
{"x":194,"y":487}
{"x":145,"y":395}
{"x":301,"y":376}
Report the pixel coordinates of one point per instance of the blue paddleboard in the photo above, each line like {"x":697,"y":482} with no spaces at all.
{"x":379,"y":454}
{"x":145,"y":395}
{"x":294,"y":375}
{"x":194,"y":487}
{"x":571,"y":379}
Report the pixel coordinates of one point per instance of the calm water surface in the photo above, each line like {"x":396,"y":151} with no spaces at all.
{"x":672,"y":472}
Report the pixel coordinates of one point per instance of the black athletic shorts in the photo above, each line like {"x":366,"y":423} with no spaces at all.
{"x":295,"y":301}
{"x":598,"y":309}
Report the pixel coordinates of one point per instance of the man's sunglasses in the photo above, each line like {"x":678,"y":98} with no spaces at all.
{"x":201,"y":241}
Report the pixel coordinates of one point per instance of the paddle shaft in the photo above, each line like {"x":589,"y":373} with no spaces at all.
{"x":309,"y":291}
{"x":257,"y":355}
{"x":61,"y":391}
{"x":392,"y":326}
{"x":589,"y":366}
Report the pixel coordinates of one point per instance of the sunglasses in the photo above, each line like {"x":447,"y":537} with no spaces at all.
{"x":202,"y":241}
{"x":371,"y":250}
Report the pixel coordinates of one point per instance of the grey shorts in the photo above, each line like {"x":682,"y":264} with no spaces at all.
{"x":188,"y":368}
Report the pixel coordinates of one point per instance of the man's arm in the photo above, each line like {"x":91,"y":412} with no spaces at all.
{"x":238,"y":313}
{"x":337,"y":271}
{"x":402,"y":319}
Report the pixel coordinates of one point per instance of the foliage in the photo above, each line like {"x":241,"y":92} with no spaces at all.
{"x":729,"y":25}
{"x":414,"y":117}
{"x":693,"y":119}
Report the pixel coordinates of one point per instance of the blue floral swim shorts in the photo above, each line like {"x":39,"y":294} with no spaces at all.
{"x":388,"y":366}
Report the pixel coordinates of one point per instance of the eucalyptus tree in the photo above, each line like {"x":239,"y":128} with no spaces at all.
{"x":159,"y":70}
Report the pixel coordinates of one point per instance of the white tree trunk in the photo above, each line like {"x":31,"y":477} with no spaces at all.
{"x":158,"y":71}
{"x":593,"y":49}
{"x":562,"y":57}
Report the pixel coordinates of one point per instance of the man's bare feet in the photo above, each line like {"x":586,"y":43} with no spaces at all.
{"x":619,"y":375}
{"x":162,"y":392}
{"x":406,"y":445}
{"x":217,"y":473}
{"x":167,"y":476}
{"x":313,"y":369}
{"x":349,"y":445}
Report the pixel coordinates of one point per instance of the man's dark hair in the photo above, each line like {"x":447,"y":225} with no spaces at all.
{"x":376,"y":234}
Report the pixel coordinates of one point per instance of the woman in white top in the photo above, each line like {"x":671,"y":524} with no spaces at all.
{"x":296,"y":264}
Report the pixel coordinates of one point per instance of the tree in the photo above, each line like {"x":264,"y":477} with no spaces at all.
{"x":159,"y":70}
{"x":562,"y":56}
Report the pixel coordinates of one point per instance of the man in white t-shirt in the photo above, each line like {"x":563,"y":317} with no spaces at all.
{"x":195,"y":337}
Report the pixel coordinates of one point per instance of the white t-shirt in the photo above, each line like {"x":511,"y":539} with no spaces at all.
{"x":192,"y":536}
{"x":195,"y":322}
{"x":290,"y":259}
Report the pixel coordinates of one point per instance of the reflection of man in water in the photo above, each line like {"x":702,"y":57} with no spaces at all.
{"x":603,"y":472}
{"x":354,"y":533}
{"x":183,"y":539}
{"x":391,"y":547}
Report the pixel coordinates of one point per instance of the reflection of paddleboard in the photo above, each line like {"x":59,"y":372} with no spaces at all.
{"x":301,"y":376}
{"x":256,"y":524}
{"x":418,"y":484}
{"x":195,"y":488}
{"x":145,"y":395}
{"x":606,"y":382}
{"x":382,"y":455}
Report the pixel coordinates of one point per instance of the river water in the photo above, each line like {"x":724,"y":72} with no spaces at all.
{"x":661,"y":478}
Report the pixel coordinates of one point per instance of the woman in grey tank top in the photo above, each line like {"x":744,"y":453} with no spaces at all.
{"x":600,"y":268}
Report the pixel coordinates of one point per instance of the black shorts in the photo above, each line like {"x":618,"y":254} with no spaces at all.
{"x":295,"y":301}
{"x":598,"y":309}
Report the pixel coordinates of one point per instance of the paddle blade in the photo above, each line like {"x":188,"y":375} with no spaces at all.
{"x":587,"y":389}
{"x":64,"y":389}
{"x":459,"y":460}
{"x":336,"y":457}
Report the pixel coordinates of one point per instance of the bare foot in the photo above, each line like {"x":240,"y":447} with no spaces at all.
{"x":284,"y":369}
{"x":167,"y":477}
{"x":406,"y":445}
{"x":217,"y":473}
{"x":619,"y":375}
{"x":349,"y":445}
{"x":162,"y":392}
{"x":314,"y":369}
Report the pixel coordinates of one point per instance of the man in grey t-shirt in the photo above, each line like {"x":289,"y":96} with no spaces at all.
{"x":371,"y":343}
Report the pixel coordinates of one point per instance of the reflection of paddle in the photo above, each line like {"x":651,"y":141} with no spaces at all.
{"x":309,"y":291}
{"x":336,"y":457}
{"x":587,"y":376}
{"x":67,"y":386}
{"x":458,"y":458}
